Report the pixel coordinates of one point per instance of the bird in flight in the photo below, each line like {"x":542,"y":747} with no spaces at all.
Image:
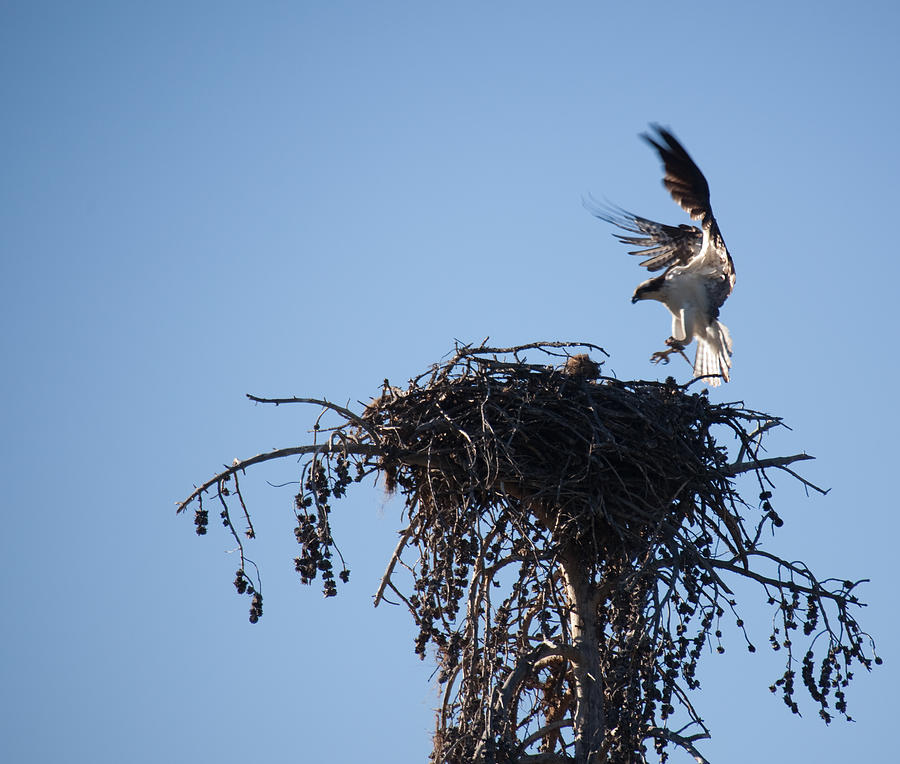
{"x":698,"y":273}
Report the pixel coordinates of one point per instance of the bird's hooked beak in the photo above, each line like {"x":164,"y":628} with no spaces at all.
{"x":651,"y":289}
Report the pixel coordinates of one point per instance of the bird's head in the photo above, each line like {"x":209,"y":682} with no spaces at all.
{"x":651,"y":289}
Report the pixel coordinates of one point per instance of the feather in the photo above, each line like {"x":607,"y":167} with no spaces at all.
{"x":663,"y":245}
{"x":683,"y":178}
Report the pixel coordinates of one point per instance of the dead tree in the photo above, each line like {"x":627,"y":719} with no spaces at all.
{"x":568,"y":551}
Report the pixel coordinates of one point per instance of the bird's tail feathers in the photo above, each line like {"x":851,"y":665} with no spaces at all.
{"x":713,"y":358}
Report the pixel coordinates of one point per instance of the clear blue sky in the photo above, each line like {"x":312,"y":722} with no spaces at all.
{"x":207,"y":199}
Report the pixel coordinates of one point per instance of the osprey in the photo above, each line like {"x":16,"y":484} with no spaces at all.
{"x":699,"y":272}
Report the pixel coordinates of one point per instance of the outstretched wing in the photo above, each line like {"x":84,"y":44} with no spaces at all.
{"x":663,"y":245}
{"x":689,"y":188}
{"x":683,"y":178}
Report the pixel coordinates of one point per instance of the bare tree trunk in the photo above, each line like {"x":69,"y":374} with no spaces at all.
{"x":589,"y":721}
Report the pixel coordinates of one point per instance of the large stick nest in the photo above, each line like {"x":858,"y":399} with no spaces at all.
{"x":605,"y":461}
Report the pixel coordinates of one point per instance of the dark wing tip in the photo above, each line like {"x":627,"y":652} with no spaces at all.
{"x":683,"y":178}
{"x":653,"y":140}
{"x":665,"y":143}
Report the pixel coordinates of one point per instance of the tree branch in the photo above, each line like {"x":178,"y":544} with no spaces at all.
{"x":816,"y":590}
{"x":467,"y":350}
{"x":545,"y":758}
{"x":350,"y":447}
{"x":517,"y":676}
{"x":687,"y":743}
{"x":385,"y":579}
{"x":756,"y":464}
{"x":543,"y":732}
{"x":344,"y":412}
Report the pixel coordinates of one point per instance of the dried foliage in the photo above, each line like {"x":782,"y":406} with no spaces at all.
{"x":569,"y":544}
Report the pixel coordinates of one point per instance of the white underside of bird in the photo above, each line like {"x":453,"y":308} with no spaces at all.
{"x":684,"y":293}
